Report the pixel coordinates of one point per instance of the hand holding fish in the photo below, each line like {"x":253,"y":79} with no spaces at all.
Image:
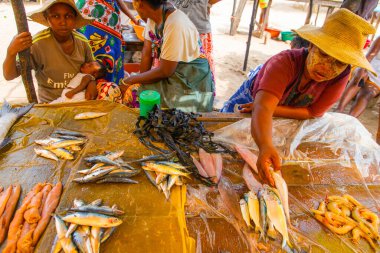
{"x":268,"y":156}
{"x":19,"y":43}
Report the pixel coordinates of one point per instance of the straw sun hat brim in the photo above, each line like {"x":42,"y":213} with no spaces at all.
{"x":38,"y":15}
{"x":335,"y":47}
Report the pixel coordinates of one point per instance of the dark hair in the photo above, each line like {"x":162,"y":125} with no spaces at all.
{"x":102,"y":71}
{"x":155,"y":4}
{"x":298,"y":42}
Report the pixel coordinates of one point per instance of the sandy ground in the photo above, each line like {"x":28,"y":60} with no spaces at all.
{"x":229,"y":51}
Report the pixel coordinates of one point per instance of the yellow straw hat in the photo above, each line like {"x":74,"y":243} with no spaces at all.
{"x":342,"y":36}
{"x":39,"y":17}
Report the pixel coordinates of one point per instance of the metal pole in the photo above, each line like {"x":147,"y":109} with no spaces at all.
{"x":24,"y":56}
{"x":232,"y":16}
{"x":251,"y":26}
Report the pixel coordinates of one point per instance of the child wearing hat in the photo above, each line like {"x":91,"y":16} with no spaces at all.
{"x":305,"y":83}
{"x":57,"y":52}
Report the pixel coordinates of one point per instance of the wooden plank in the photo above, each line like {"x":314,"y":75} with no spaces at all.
{"x":235,"y":19}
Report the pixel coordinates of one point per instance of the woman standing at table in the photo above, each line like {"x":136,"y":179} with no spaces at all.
{"x":182,"y":75}
{"x":104,"y":34}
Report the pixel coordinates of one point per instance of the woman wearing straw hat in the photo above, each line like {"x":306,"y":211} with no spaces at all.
{"x":56,"y":52}
{"x":304,"y":84}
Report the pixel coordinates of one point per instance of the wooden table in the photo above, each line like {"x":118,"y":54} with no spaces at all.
{"x":131,"y":42}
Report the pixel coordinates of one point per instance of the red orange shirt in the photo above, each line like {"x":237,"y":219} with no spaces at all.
{"x":278,"y":77}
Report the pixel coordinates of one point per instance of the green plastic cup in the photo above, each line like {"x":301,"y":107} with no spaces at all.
{"x":148,"y":98}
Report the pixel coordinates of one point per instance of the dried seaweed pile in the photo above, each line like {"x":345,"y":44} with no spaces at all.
{"x":180,"y":132}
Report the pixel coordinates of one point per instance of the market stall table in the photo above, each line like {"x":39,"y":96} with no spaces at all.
{"x":200,"y":218}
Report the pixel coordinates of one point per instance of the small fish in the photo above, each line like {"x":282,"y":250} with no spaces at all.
{"x":114,"y":155}
{"x":118,"y":173}
{"x":74,"y":148}
{"x":174,"y":165}
{"x":68,"y":137}
{"x":67,"y":132}
{"x":149,"y":175}
{"x":254,"y":209}
{"x":46,"y":153}
{"x":95,"y":239}
{"x":117,"y":180}
{"x":66,"y":243}
{"x":282,"y":188}
{"x":90,"y":115}
{"x":171,"y":181}
{"x":161,"y":177}
{"x":263,"y":215}
{"x":92,"y":219}
{"x":47,"y":141}
{"x":164,"y":169}
{"x":56,"y":246}
{"x":160,"y":157}
{"x":80,"y":241}
{"x":245,"y":212}
{"x":164,"y":187}
{"x":71,"y":229}
{"x":8,"y":116}
{"x":92,"y":169}
{"x":62,"y":153}
{"x":101,"y":159}
{"x":64,"y":143}
{"x":106,"y":233}
{"x":85,"y":232}
{"x":97,"y":209}
{"x":248,"y":157}
{"x":95,"y":175}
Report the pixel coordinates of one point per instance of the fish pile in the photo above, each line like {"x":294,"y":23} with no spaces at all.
{"x":89,"y":115}
{"x":180,"y":132}
{"x":164,"y":175}
{"x":61,"y":144}
{"x":107,"y":168}
{"x":267,"y":213}
{"x":8,"y":116}
{"x":209,"y":165}
{"x":85,"y":227}
{"x":8,"y":202}
{"x":32,"y":217}
{"x":342,"y":214}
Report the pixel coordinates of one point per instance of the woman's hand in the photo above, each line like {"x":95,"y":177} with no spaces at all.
{"x":19,"y":43}
{"x":246,"y":108}
{"x":268,"y":156}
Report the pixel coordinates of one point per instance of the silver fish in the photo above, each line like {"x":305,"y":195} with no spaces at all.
{"x":171,"y":181}
{"x":92,"y":169}
{"x":85,"y":232}
{"x":161,"y":177}
{"x":149,"y":175}
{"x":92,"y":219}
{"x":8,"y":116}
{"x":66,"y":243}
{"x":160,"y":157}
{"x":254,"y":209}
{"x":164,"y":187}
{"x":263,"y":214}
{"x":68,"y":137}
{"x":117,"y":180}
{"x":245,"y":212}
{"x":94,"y":176}
{"x":98,"y":209}
{"x":47,"y":141}
{"x":106,"y":233}
{"x":101,"y":159}
{"x":68,"y":132}
{"x":95,"y":239}
{"x":46,"y":153}
{"x":80,"y":241}
{"x":62,"y":153}
{"x":89,"y":115}
{"x":57,"y":247}
{"x":114,"y":155}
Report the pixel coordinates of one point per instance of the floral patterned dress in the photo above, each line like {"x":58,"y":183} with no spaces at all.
{"x":104,"y":35}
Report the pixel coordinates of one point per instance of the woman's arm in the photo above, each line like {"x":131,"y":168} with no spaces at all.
{"x":146,"y":58}
{"x":283,"y":111}
{"x":126,"y":11}
{"x":261,"y":130}
{"x":19,"y":43}
{"x":374,"y":49}
{"x":165,"y":70}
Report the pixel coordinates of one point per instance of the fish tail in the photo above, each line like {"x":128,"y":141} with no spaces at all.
{"x":287,"y":246}
{"x":20,"y":111}
{"x":4,"y":143}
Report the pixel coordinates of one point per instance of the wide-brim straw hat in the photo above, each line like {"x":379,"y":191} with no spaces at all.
{"x":342,"y":36}
{"x":39,"y":17}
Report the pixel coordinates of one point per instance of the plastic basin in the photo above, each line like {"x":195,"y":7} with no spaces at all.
{"x":287,"y":35}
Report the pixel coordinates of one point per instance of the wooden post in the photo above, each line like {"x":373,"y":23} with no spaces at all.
{"x":265,"y":19}
{"x":235,"y":19}
{"x":310,"y":12}
{"x":24,"y":56}
{"x":251,"y":26}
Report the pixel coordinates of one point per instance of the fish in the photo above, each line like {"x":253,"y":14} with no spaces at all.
{"x":90,"y":115}
{"x":248,"y":157}
{"x":95,"y":239}
{"x":66,"y":243}
{"x":67,"y":137}
{"x":174,"y":165}
{"x":245,"y":212}
{"x":46,"y":153}
{"x":271,"y":232}
{"x":171,"y":181}
{"x":114,"y":155}
{"x":80,"y":241}
{"x":92,"y":169}
{"x":97,"y":209}
{"x":92,"y":219}
{"x":282,"y":188}
{"x":161,"y":177}
{"x":164,"y":169}
{"x":106,"y":233}
{"x":101,"y":159}
{"x":64,"y":143}
{"x":160,"y":157}
{"x":122,"y":173}
{"x":62,"y":153}
{"x":84,"y":231}
{"x":254,"y":209}
{"x":207,"y":162}
{"x":276,"y":214}
{"x":250,"y":180}
{"x":8,"y":116}
{"x":218,"y":164}
{"x":74,"y":148}
{"x":68,"y":132}
{"x":45,"y":142}
{"x":200,"y":168}
{"x":95,"y":175}
{"x":124,"y":180}
{"x":73,"y":227}
{"x":149,"y":175}
{"x":263,"y":214}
